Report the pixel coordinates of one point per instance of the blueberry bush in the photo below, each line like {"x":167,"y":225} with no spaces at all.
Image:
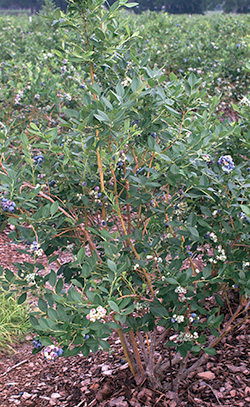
{"x":139,"y":180}
{"x":215,"y":47}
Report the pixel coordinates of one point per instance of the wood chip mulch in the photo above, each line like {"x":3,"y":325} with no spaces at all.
{"x":103,"y":379}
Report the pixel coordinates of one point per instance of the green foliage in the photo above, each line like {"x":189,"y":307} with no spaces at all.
{"x":126,"y":166}
{"x":173,"y":7}
{"x":202,"y":45}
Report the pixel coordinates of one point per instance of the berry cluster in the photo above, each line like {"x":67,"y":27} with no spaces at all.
{"x":38,"y":159}
{"x":244,"y":217}
{"x":193,"y":318}
{"x":96,"y":314}
{"x":207,"y":159}
{"x":51,"y":352}
{"x":30,"y":278}
{"x":213,"y":236}
{"x":35,"y":246}
{"x":187,"y":336}
{"x":226,"y":163}
{"x":37,"y":344}
{"x":18,"y":97}
{"x":181,"y":291}
{"x":8,"y":205}
{"x":177,"y":318}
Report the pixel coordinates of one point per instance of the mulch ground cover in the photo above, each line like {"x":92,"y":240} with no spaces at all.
{"x":104,"y":379}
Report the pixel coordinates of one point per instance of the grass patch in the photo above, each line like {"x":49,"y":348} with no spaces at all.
{"x":14,"y":321}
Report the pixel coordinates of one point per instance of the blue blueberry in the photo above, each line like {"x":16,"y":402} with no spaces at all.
{"x":37,"y":344}
{"x":52,"y":183}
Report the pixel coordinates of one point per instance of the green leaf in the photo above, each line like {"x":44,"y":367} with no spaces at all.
{"x":43,"y":324}
{"x":76,"y":283}
{"x":34,"y":127}
{"x":210,"y":351}
{"x":24,"y":139}
{"x":34,"y":321}
{"x":194,"y":232}
{"x":171,"y":280}
{"x":130,"y":5}
{"x":22,"y":298}
{"x":170,"y":344}
{"x":42,"y":305}
{"x":112,"y":265}
{"x":52,"y":278}
{"x":81,"y":255}
{"x":187,"y":88}
{"x":102,"y":117}
{"x":206,"y":272}
{"x":113,"y":325}
{"x":113,"y":306}
{"x":196,"y":349}
{"x":75,"y":296}
{"x":54,"y":208}
{"x":59,"y":286}
{"x":104,"y":344}
{"x":219,"y":300}
{"x":119,"y":90}
{"x":192,"y":80}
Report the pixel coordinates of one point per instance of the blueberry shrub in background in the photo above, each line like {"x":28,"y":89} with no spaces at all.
{"x":145,"y":188}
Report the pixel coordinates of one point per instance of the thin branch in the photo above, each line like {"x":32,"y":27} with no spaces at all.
{"x":15,"y":366}
{"x":143,"y":348}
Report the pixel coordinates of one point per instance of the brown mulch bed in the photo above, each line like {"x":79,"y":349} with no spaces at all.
{"x":104,"y":379}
